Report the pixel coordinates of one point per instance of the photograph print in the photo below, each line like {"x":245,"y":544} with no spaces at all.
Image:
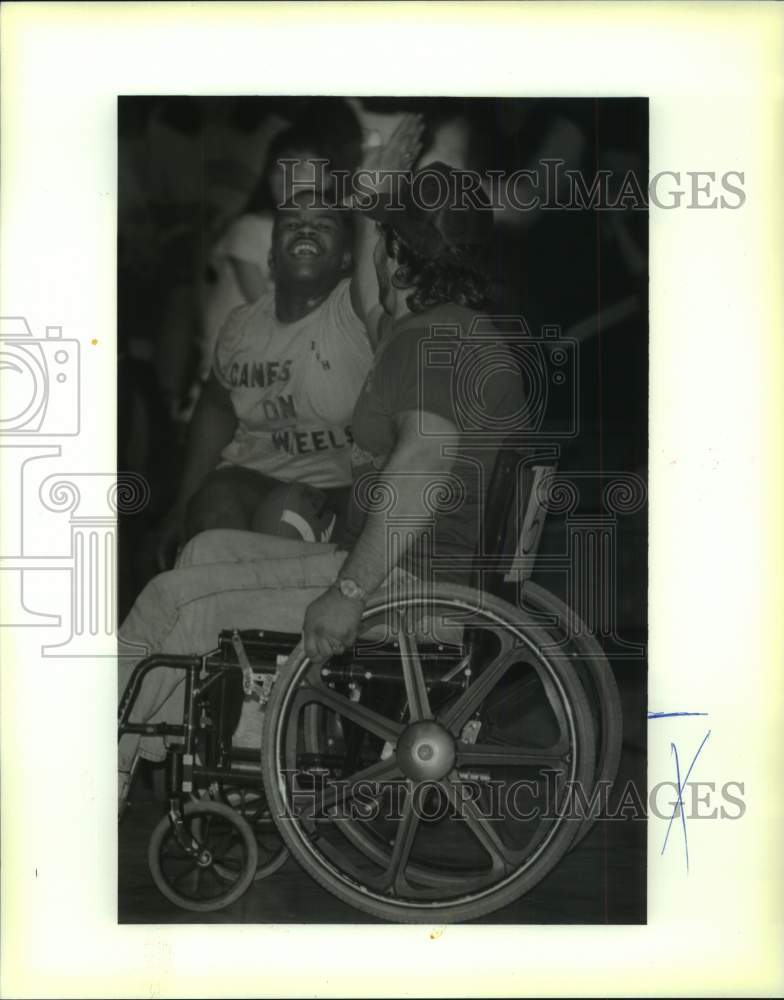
{"x":383,"y":372}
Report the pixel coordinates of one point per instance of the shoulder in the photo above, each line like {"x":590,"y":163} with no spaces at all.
{"x":444,"y":327}
{"x":337,"y":315}
{"x":335,"y":303}
{"x":251,"y":312}
{"x":246,"y":319}
{"x":340,"y":292}
{"x":440,"y":321}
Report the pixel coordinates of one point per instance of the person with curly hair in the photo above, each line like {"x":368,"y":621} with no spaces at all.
{"x":441,"y":392}
{"x":425,"y":431}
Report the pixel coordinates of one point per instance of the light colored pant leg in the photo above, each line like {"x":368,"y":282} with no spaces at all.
{"x":228,"y":546}
{"x":183,"y":611}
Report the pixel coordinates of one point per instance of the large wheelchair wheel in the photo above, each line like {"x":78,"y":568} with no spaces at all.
{"x":572,"y":640}
{"x":219,"y":864}
{"x":444,"y":789}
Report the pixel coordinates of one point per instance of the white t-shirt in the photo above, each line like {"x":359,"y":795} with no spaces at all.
{"x":248,"y":239}
{"x":293,"y":387}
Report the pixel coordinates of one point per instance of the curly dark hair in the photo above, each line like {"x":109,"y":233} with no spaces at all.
{"x":458,"y":274}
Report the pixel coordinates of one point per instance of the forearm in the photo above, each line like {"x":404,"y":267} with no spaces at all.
{"x":378,"y":168}
{"x":364,"y":282}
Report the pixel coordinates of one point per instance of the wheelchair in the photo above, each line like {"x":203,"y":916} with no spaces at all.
{"x":428,"y":774}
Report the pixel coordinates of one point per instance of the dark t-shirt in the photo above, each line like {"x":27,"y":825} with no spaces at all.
{"x":450,"y":362}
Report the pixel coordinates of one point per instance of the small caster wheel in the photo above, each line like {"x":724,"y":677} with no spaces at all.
{"x":252,"y":807}
{"x":219,"y":872}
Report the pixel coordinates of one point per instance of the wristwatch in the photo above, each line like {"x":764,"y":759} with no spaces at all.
{"x":350,"y":588}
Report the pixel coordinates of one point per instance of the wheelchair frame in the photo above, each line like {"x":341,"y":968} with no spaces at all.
{"x":206,"y":764}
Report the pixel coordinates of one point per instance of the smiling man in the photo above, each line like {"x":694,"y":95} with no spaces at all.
{"x":420,"y":274}
{"x":274,"y":417}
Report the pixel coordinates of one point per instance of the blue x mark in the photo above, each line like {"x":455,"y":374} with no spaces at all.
{"x":679,"y":800}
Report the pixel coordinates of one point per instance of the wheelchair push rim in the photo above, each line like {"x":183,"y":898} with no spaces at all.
{"x":571,"y":638}
{"x":426,"y":871}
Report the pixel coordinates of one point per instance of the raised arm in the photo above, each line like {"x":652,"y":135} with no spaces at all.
{"x":398,"y":154}
{"x":364,"y":283}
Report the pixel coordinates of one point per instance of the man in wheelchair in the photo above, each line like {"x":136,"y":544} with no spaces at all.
{"x":471,"y":669}
{"x":424,"y":273}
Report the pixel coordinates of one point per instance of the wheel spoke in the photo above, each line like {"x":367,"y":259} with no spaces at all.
{"x":503,"y":858}
{"x":413,"y":676}
{"x":341,"y":791}
{"x":229,"y":856}
{"x":222,"y":844}
{"x":184,"y":874}
{"x":377,"y":850}
{"x":232,"y":864}
{"x":395,"y":879}
{"x":386,"y":729}
{"x":477,"y":754}
{"x":469,"y":701}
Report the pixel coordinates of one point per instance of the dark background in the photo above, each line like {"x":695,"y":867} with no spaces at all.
{"x":187,"y":167}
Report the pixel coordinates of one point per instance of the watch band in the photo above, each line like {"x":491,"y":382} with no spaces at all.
{"x":350,"y":588}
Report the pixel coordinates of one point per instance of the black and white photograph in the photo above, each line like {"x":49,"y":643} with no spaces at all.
{"x":391,"y":440}
{"x":383,"y":369}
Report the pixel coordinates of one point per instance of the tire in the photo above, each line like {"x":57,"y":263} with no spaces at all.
{"x":229,"y":878}
{"x":430,"y":887}
{"x":598,"y":680}
{"x":255,"y":811}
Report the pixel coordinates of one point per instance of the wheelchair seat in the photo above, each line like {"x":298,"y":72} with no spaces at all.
{"x":427,"y":773}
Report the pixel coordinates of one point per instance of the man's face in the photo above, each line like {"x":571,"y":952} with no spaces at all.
{"x":309,"y":246}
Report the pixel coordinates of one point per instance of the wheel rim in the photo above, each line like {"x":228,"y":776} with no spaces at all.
{"x":414,"y":874}
{"x":597,"y":678}
{"x":221,"y":869}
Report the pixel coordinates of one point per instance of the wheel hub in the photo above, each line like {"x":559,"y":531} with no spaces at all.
{"x":426,"y":751}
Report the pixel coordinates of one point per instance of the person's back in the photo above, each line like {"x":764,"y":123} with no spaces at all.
{"x":447,"y":362}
